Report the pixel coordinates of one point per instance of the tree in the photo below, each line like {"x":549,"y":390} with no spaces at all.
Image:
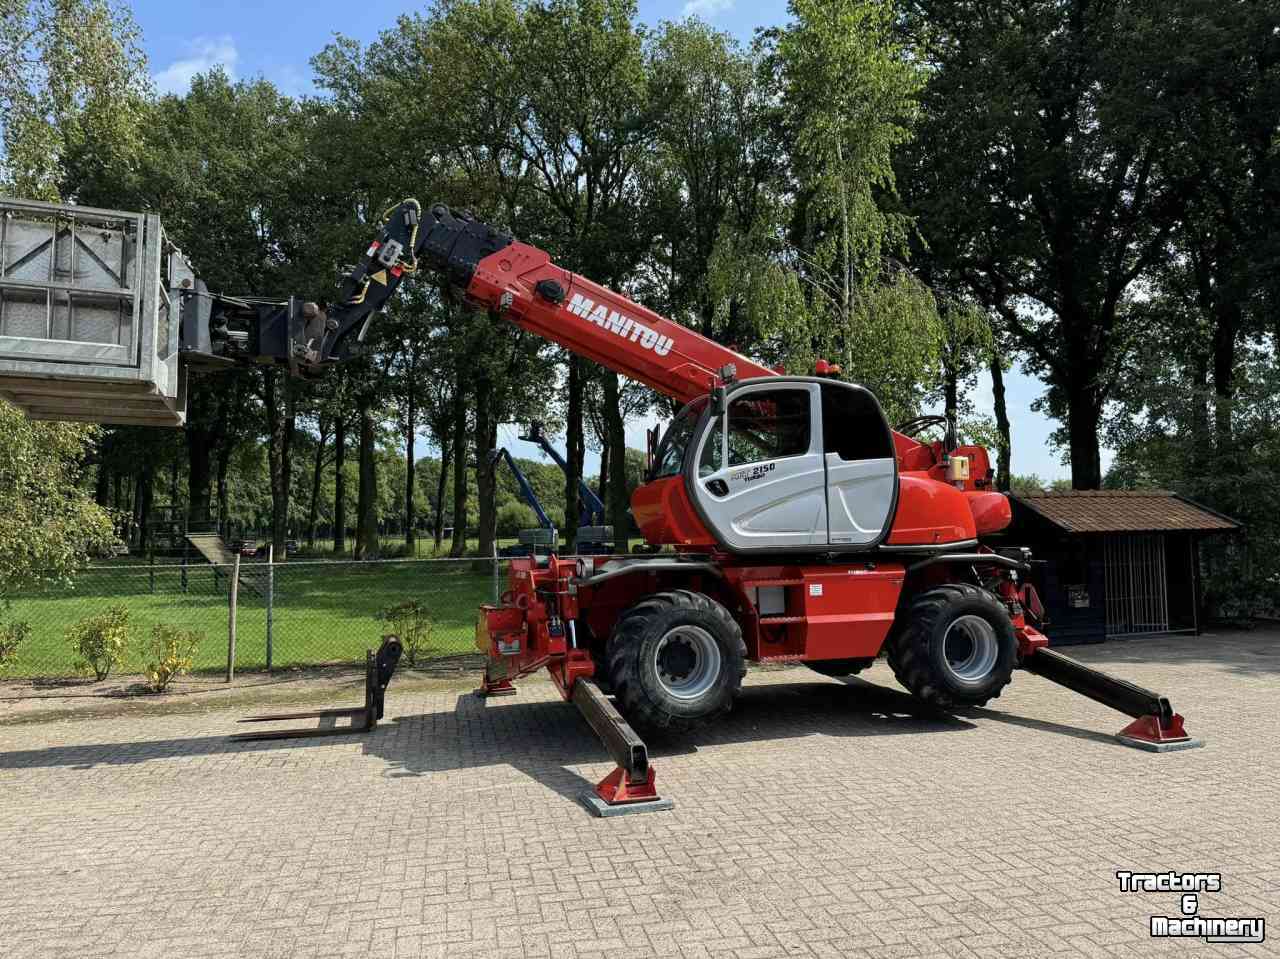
{"x":718,"y":163}
{"x":49,"y":522}
{"x":1217,"y":73}
{"x":588,"y":125}
{"x":845,"y":93}
{"x":1037,"y":180}
{"x":73,"y":83}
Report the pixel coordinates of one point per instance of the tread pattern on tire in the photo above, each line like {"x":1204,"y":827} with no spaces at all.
{"x":908,"y":648}
{"x":634,"y":701}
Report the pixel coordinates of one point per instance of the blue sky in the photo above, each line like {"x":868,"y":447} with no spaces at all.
{"x":277,"y":40}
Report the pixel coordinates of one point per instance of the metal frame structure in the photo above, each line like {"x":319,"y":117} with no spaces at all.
{"x":62,"y":372}
{"x":1137,"y":584}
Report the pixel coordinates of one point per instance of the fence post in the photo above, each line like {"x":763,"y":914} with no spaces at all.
{"x":271,"y":594}
{"x":152,"y":553}
{"x":497,"y":589}
{"x":231,"y":620}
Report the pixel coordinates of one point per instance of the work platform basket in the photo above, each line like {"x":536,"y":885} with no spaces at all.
{"x":89,"y":315}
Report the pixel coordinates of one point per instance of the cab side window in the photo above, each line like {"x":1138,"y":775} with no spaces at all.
{"x":852,"y":425}
{"x":711,"y":453}
{"x":768,"y":425}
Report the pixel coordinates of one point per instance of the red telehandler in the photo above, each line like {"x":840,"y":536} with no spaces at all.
{"x":800,"y":527}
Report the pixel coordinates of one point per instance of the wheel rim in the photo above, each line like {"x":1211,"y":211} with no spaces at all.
{"x":970,"y":648}
{"x":687,"y":661}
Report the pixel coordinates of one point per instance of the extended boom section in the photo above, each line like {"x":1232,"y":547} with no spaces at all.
{"x":495,"y":272}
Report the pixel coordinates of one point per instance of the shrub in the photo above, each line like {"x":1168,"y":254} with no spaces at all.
{"x":409,"y":621}
{"x":11,"y":636}
{"x":100,"y":642}
{"x":513,"y":517}
{"x":173,"y":653}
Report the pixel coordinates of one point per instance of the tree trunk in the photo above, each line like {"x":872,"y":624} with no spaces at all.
{"x":1084,"y":412}
{"x":224,"y":464}
{"x":340,"y":485}
{"x":950,"y":396}
{"x":102,"y":491}
{"x":459,"y":545}
{"x":437,"y":529}
{"x":486,"y":479}
{"x":573,"y":451}
{"x":200,"y":447}
{"x":205,"y":434}
{"x":135,"y":510}
{"x":603,"y":488}
{"x":368,"y":545}
{"x":146,"y":493}
{"x":615,"y":494}
{"x":1226,"y":325}
{"x":278,"y":396}
{"x":1004,"y":453}
{"x":410,"y":518}
{"x":317,"y":474}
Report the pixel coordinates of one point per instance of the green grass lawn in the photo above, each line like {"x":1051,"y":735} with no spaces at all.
{"x":322,"y":612}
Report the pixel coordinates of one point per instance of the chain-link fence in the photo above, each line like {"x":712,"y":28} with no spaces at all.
{"x":286,"y":614}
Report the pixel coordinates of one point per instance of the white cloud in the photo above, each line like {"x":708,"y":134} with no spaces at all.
{"x":705,"y":9}
{"x":203,"y":54}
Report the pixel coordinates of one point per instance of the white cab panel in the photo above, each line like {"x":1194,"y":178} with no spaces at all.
{"x":859,"y":497}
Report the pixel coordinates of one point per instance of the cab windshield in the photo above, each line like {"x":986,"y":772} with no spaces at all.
{"x":670,"y":456}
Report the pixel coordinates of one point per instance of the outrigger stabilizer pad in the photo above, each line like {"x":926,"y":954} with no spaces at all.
{"x":630,"y":788}
{"x":378,"y":670}
{"x":1155,"y":727}
{"x":490,"y":688}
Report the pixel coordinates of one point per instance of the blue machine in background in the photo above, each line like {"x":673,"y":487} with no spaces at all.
{"x":530,"y":539}
{"x":594,"y":537}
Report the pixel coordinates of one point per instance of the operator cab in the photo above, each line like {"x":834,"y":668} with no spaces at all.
{"x":785,"y":464}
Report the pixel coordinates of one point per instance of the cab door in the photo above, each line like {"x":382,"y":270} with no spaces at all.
{"x":760,"y":478}
{"x":862,"y":470}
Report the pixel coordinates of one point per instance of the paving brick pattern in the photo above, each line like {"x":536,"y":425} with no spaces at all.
{"x":821,"y":819}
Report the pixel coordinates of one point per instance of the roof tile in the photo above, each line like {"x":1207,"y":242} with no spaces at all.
{"x":1123,"y":511}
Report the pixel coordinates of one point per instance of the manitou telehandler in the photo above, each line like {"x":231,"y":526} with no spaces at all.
{"x":795,"y":525}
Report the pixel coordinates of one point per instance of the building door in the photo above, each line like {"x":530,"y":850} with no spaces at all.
{"x":1137,"y":584}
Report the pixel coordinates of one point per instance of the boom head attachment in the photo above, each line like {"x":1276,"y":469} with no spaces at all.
{"x":221,"y":331}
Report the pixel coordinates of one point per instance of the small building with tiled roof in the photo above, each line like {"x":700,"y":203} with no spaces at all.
{"x":1114,"y":563}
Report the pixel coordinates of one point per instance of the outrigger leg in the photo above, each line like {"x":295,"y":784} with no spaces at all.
{"x":1156,"y":727}
{"x":629,"y":788}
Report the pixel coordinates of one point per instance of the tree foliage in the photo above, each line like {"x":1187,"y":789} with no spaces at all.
{"x":73,"y":89}
{"x":49,"y":523}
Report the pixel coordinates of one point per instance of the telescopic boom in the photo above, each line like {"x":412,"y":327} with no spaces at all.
{"x":495,"y":272}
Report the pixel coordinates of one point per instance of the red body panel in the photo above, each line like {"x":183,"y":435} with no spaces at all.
{"x":991,"y":512}
{"x":665,"y":516}
{"x":930,"y":513}
{"x":832,"y":612}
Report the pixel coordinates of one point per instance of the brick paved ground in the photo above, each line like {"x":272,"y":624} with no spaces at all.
{"x":821,"y":819}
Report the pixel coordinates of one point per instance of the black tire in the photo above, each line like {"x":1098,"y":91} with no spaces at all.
{"x":841,"y":667}
{"x":928,"y":652}
{"x":660,"y":678}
